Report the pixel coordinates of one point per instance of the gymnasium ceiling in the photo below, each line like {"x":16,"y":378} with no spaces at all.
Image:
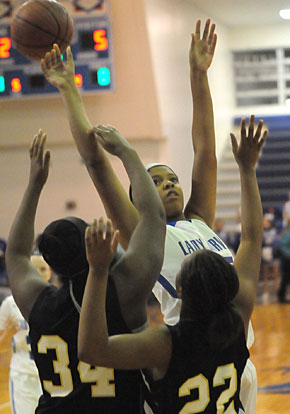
{"x":244,"y":12}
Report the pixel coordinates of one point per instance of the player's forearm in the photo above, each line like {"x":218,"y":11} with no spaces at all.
{"x":21,"y":237}
{"x":146,"y":198}
{"x":93,"y":332}
{"x":203,"y":136}
{"x":78,"y":121}
{"x":251,"y":206}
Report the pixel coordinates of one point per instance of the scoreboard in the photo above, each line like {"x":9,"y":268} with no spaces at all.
{"x":91,"y":47}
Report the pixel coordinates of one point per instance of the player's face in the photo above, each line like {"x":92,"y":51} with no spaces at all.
{"x":169,"y":191}
{"x":42,"y":267}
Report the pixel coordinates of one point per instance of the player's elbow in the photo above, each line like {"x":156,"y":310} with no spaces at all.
{"x":85,"y":355}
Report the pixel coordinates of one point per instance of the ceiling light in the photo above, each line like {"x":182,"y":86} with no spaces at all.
{"x":285,"y":14}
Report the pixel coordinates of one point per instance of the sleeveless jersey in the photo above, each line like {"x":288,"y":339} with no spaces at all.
{"x":199,"y":378}
{"x":21,"y":360}
{"x":184,"y":237}
{"x":69,"y":385}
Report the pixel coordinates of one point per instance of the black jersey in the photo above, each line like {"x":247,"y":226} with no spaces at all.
{"x":200,"y":379}
{"x":69,"y":385}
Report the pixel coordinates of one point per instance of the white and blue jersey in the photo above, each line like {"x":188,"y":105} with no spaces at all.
{"x":24,"y":383}
{"x":184,"y":237}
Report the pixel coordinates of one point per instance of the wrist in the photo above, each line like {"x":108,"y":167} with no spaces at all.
{"x":247,"y":169}
{"x":100,"y":270}
{"x":194,"y":71}
{"x":67,"y":86}
{"x":127,"y":152}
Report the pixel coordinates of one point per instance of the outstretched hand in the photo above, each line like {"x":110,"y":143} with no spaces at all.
{"x":202,"y":49}
{"x":39,"y":160}
{"x":101,"y":244}
{"x":247,"y":151}
{"x":55,"y":70}
{"x":110,"y":139}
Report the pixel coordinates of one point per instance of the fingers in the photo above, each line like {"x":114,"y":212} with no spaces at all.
{"x":234,"y":143}
{"x":213,"y":44}
{"x":259,"y":130}
{"x":211,"y":33}
{"x":57,"y":53}
{"x":243,"y":128}
{"x":38,"y":144}
{"x":251,"y":126}
{"x":99,"y":232}
{"x":263,"y":139}
{"x":206,"y":30}
{"x":197,"y":30}
{"x":51,"y":59}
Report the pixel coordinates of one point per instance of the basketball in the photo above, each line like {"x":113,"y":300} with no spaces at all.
{"x":38,"y":24}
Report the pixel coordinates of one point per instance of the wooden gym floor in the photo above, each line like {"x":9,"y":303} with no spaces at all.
{"x":270,"y":353}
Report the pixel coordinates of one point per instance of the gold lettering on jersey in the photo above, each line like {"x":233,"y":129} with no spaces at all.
{"x":101,"y":379}
{"x":222,"y":373}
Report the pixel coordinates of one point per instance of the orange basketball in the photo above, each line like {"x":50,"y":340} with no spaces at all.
{"x":38,"y":24}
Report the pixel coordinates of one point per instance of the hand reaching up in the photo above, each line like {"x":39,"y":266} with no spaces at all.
{"x":202,"y":49}
{"x":247,"y":151}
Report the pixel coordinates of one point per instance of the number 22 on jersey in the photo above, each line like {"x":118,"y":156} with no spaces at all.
{"x":201,"y":383}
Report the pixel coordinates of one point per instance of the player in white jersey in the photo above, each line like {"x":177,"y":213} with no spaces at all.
{"x":24,"y":385}
{"x":202,"y":201}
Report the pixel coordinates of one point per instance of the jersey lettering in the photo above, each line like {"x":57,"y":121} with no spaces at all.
{"x":201,"y":383}
{"x":102,"y":378}
{"x":190,"y":246}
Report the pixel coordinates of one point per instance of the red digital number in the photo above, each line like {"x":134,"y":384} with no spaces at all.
{"x":16,"y":85}
{"x":100,"y":39}
{"x":5,"y":46}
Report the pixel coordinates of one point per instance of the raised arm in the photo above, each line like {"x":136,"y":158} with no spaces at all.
{"x":137,"y":270}
{"x":248,"y":258}
{"x":25,"y":281}
{"x":115,"y":199}
{"x":202,"y":201}
{"x":148,"y":349}
{"x":140,"y":266}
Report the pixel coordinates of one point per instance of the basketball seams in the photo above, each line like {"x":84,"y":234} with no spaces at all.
{"x":58,"y":25}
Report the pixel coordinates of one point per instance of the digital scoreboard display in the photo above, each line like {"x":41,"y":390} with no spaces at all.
{"x":92,"y":51}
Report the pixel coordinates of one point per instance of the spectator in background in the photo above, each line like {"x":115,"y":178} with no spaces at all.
{"x":270,"y":263}
{"x":286,"y":212}
{"x":284,"y":249}
{"x":222,"y":233}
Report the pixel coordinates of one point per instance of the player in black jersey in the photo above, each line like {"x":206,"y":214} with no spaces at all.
{"x":196,"y":365}
{"x":69,"y":385}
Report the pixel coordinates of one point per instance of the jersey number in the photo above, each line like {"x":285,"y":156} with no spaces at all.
{"x":201,"y":383}
{"x":101,"y":377}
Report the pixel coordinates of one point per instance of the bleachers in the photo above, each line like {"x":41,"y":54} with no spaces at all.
{"x":273,"y":173}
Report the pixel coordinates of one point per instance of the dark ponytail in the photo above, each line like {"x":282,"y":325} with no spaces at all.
{"x":209,"y":284}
